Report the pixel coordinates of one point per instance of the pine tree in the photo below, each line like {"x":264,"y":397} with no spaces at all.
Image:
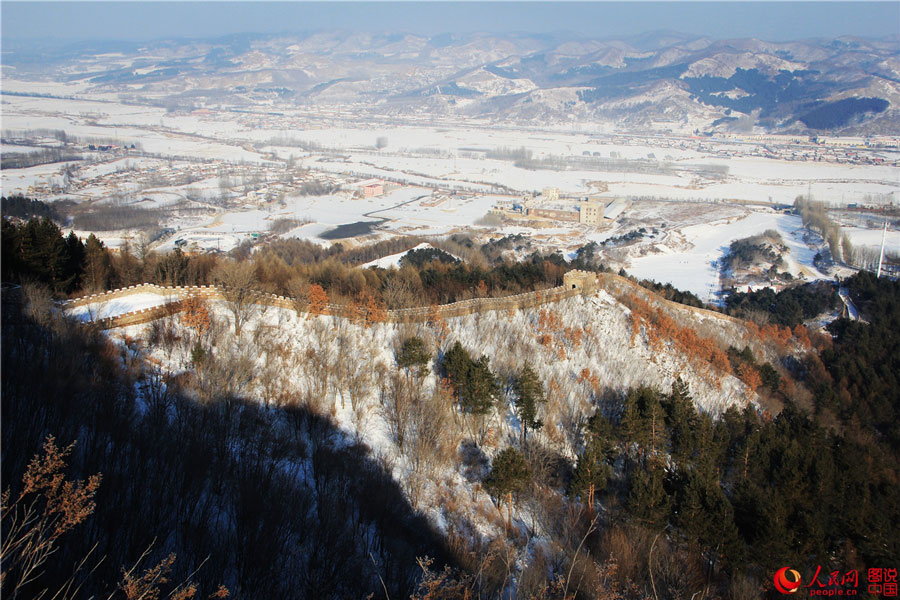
{"x":601,"y":430}
{"x":631,"y":429}
{"x":43,"y":254}
{"x":647,"y":498}
{"x":592,"y":472}
{"x":476,"y":387}
{"x":97,"y":268}
{"x":75,"y":258}
{"x":643,"y":421}
{"x":529,"y":393}
{"x":456,"y":364}
{"x":11,"y":258}
{"x":413,"y":355}
{"x":681,"y":420}
{"x":481,"y":387}
{"x":510,"y":474}
{"x":704,"y":512}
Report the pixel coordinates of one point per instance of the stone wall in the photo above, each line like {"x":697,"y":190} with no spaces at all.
{"x":575,"y":283}
{"x":406,"y":315}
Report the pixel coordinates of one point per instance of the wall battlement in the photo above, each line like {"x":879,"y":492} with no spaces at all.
{"x":575,"y":283}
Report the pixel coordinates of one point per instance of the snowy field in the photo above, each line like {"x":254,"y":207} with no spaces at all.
{"x":119,"y":306}
{"x":425,"y":158}
{"x":696,"y":269}
{"x":393,"y":260}
{"x":872,"y":238}
{"x":430,"y":155}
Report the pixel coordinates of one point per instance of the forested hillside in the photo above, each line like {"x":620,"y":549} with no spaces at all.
{"x":612,"y":445}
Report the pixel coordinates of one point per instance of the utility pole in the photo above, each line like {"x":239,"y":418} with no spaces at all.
{"x":881,"y":257}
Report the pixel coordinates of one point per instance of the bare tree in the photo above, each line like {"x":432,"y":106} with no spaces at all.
{"x":400,"y":402}
{"x":237,"y":281}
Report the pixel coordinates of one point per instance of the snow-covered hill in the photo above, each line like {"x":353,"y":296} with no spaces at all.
{"x":585,"y":349}
{"x":495,"y":76}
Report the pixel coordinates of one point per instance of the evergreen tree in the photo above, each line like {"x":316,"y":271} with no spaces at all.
{"x":681,"y":419}
{"x":75,"y":259}
{"x":703,"y":512}
{"x":601,"y":430}
{"x":643,"y":421}
{"x":42,"y":249}
{"x":96,"y":265}
{"x":481,"y":387}
{"x":456,"y":366}
{"x":762,"y":520}
{"x":413,"y":355}
{"x":44,"y":256}
{"x":592,"y":472}
{"x":529,"y":393}
{"x":647,"y":498}
{"x":11,"y":258}
{"x":510,"y":474}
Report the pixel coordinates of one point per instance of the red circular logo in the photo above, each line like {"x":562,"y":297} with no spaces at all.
{"x":787,"y":581}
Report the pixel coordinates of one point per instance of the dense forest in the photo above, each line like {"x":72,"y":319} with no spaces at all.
{"x":198,"y":483}
{"x":832,"y":115}
{"x":37,"y":250}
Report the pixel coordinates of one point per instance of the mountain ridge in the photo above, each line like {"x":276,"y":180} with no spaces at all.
{"x":615,"y":81}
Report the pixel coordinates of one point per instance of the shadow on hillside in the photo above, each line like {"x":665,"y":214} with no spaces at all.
{"x":272,"y":503}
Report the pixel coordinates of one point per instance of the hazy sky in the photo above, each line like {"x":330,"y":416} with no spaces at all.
{"x":151,"y":20}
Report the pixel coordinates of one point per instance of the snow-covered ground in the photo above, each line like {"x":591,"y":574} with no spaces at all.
{"x":696,"y":269}
{"x":447,"y":157}
{"x":393,"y":260}
{"x":119,"y":306}
{"x":872,"y":238}
{"x":605,"y":349}
{"x":431,"y":155}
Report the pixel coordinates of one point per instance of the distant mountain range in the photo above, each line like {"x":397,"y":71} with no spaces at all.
{"x":654,"y":82}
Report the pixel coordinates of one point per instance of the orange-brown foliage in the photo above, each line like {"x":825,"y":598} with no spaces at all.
{"x":554,"y":335}
{"x":787,"y":387}
{"x":779,"y":335}
{"x":549,"y":321}
{"x":821,"y":341}
{"x":195,"y":314}
{"x":572,"y":336}
{"x":802,"y":335}
{"x":750,"y":376}
{"x":371,"y":309}
{"x":553,"y":386}
{"x":660,"y":328}
{"x":146,"y":586}
{"x":720,"y":360}
{"x":69,"y":503}
{"x":317,"y":300}
{"x":753,"y":332}
{"x":587,"y":376}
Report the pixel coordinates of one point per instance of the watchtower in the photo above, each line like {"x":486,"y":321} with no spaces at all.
{"x":580,"y":280}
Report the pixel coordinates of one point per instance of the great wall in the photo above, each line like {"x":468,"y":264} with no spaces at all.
{"x":575,"y":283}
